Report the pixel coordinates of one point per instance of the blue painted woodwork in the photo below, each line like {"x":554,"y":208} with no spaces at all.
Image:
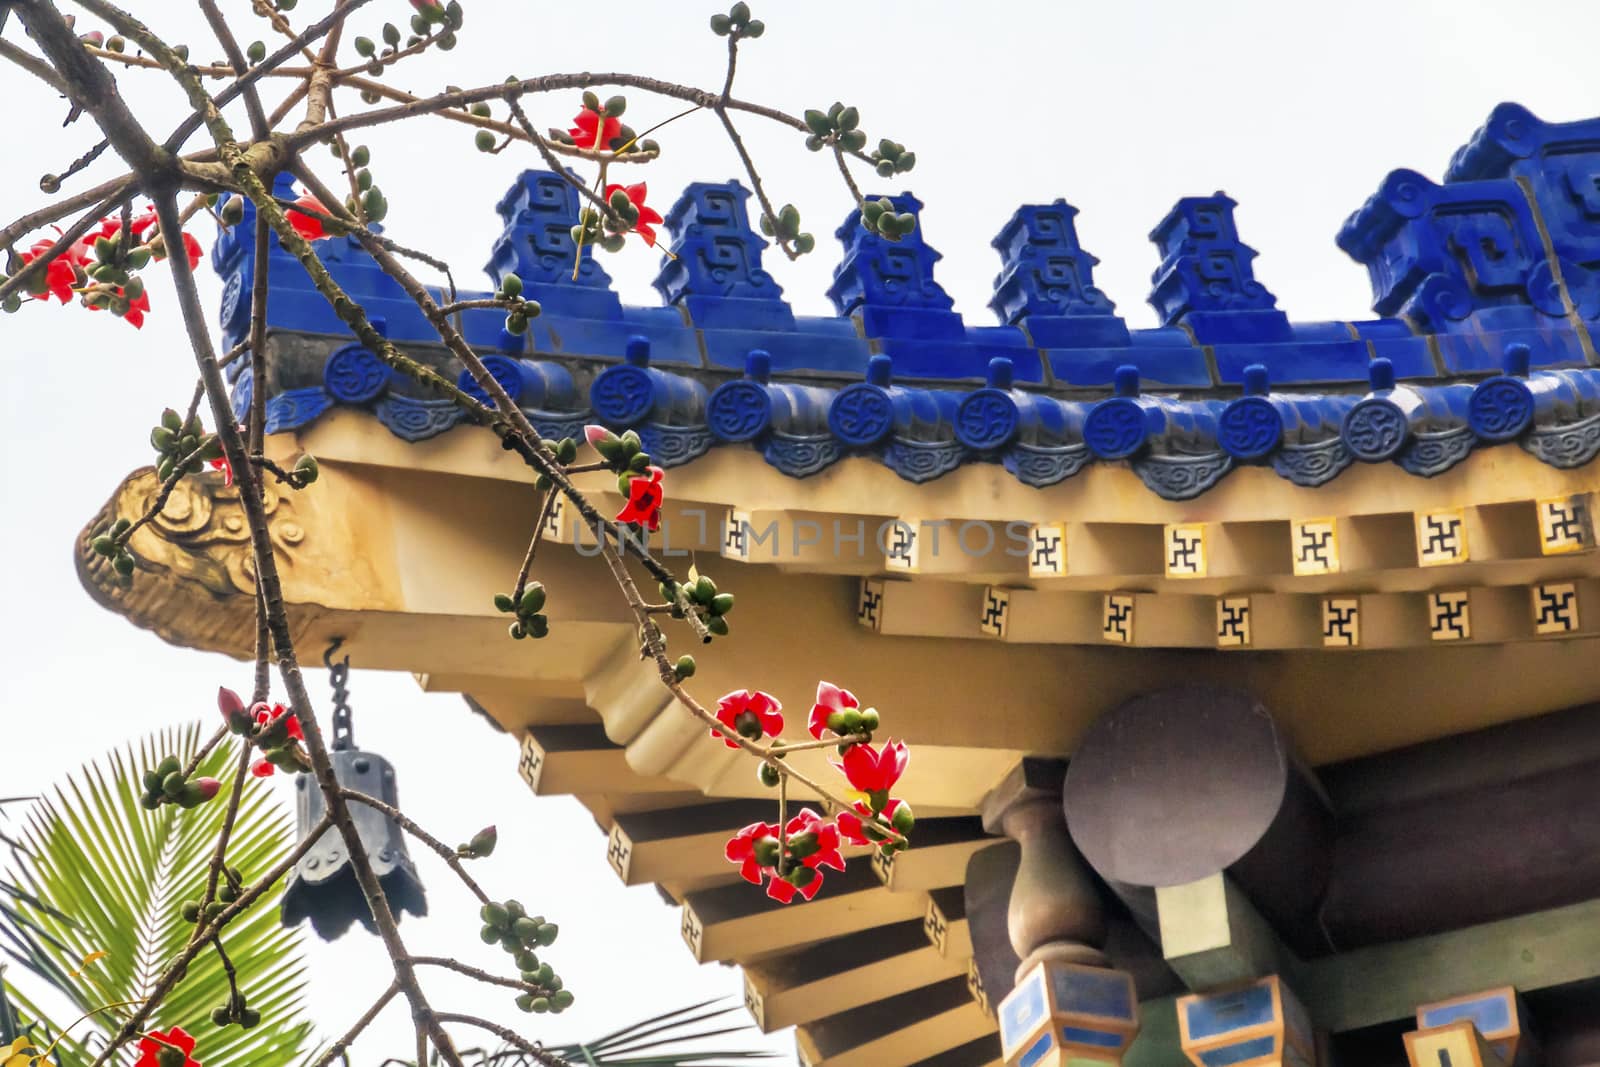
{"x":1482,"y":337}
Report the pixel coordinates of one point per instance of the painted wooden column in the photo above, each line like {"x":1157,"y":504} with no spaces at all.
{"x":1068,"y":1005}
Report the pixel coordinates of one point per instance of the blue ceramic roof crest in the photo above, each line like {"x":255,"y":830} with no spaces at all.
{"x":1487,"y":286}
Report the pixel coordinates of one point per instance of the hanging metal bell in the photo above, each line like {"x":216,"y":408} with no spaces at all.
{"x":323,"y":886}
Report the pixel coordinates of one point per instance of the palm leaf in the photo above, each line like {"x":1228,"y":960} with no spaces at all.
{"x":97,"y":872}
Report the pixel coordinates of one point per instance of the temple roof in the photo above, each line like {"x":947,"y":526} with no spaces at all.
{"x":1487,"y":287}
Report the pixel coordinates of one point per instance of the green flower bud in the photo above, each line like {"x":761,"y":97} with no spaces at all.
{"x":538,"y":626}
{"x":516,"y":323}
{"x":168,"y":1056}
{"x":704,"y":590}
{"x":722,"y":603}
{"x":489,"y":935}
{"x":221,"y":1017}
{"x":104,"y":545}
{"x":525,"y":929}
{"x":818,"y":123}
{"x":391,"y":33}
{"x":720,"y":25}
{"x":591,"y":101}
{"x":755,"y":28}
{"x":800,"y":877}
{"x":495,"y":915}
{"x":256,"y":52}
{"x":903,"y":819}
{"x":739,"y":12}
{"x":525,"y":1001}
{"x":717,"y":625}
{"x":249,"y":1018}
{"x":360,"y":156}
{"x":233,"y":211}
{"x":567,"y":450}
{"x":511,"y":286}
{"x":502,"y":602}
{"x":307,"y":469}
{"x":483,"y":842}
{"x":533,"y":599}
{"x":526,"y":961}
{"x":540,"y":1005}
{"x":684,"y":668}
{"x":547,"y":935}
{"x":191,"y":911}
{"x":517,"y":630}
{"x":768,"y":775}
{"x":616,"y":105}
{"x":561,"y":1001}
{"x":852,"y":721}
{"x":765,"y":851}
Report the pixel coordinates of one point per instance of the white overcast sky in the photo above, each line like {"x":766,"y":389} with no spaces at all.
{"x":1297,"y":110}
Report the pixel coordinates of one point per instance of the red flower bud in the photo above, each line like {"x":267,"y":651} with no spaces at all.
{"x":208,"y":787}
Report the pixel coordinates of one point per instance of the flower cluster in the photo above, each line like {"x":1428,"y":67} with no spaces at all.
{"x":636,"y":478}
{"x":167,"y":784}
{"x":529,"y":610}
{"x":273,"y":728}
{"x":510,"y":926}
{"x":183,"y":445}
{"x":101,"y":267}
{"x":711,"y":606}
{"x":791,"y":863}
{"x":790,"y":860}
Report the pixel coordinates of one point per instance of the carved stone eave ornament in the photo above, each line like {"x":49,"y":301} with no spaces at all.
{"x":195,"y":579}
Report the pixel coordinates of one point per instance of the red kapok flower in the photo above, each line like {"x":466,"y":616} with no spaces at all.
{"x":265,"y":715}
{"x":308,"y":226}
{"x":150,"y":1047}
{"x":59,"y":276}
{"x":268,"y":720}
{"x":647,"y":214}
{"x":221,"y":464}
{"x":592,"y":130}
{"x":741,"y":849}
{"x":830,"y":698}
{"x":644,"y":500}
{"x":874,"y":772}
{"x":761,"y":708}
{"x":852,"y":823}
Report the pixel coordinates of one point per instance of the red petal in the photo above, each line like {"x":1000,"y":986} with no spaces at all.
{"x":750,"y":870}
{"x":262,"y":769}
{"x":783,"y":892}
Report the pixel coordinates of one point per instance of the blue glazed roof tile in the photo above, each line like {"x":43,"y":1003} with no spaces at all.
{"x":1483,"y":338}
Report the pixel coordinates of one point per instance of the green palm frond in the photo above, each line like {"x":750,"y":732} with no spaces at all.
{"x":650,"y":1043}
{"x":95,"y":871}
